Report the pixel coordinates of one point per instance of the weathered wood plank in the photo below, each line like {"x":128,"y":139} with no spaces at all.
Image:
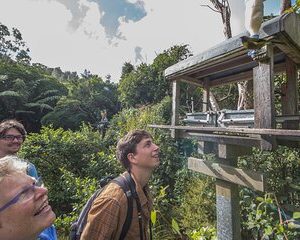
{"x":191,"y":80}
{"x":263,"y":89}
{"x":286,"y":26}
{"x":289,"y":100}
{"x":221,"y":130}
{"x":246,"y":178}
{"x":175,"y":106}
{"x":222,"y":139}
{"x":206,"y":90}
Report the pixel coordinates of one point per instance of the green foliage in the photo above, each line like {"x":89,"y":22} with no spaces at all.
{"x":282,"y":169}
{"x":204,"y":233}
{"x":56,"y":152}
{"x":86,"y":99}
{"x":263,"y":218}
{"x":79,"y":191}
{"x":197,"y":206}
{"x":295,"y":8}
{"x":269,"y":216}
{"x":12,"y":45}
{"x":146,"y":84}
{"x":26,"y":94}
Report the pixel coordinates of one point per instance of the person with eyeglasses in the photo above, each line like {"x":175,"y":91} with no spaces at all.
{"x":24,"y":208}
{"x":12,"y":136}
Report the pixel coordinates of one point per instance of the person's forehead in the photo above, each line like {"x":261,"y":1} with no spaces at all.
{"x":12,"y":131}
{"x":12,"y":184}
{"x":145,"y":140}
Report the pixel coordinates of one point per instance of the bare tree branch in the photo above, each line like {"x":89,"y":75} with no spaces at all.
{"x":210,"y":8}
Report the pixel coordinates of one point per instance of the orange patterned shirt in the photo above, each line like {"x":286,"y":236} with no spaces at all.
{"x":108,"y":213}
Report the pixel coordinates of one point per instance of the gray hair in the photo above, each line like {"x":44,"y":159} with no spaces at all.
{"x":10,"y":164}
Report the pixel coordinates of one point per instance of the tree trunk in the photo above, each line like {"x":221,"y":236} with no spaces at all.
{"x":222,"y":6}
{"x":285,"y":4}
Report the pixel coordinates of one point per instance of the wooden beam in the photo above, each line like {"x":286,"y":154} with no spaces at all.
{"x":289,"y":100}
{"x":175,"y":106}
{"x":246,"y":178}
{"x":191,"y":80}
{"x":221,"y":130}
{"x":206,"y":90}
{"x":263,"y":89}
{"x":224,"y":65}
{"x":243,"y":76}
{"x":222,"y":139}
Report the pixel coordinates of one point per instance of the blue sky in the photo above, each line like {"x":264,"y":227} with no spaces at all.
{"x":100,"y":35}
{"x":272,"y":6}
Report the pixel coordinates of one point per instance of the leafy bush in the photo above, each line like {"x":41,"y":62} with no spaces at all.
{"x":81,"y":153}
{"x":198,"y":208}
{"x":270,"y":215}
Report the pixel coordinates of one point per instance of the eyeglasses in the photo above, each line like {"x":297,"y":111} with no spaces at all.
{"x":11,"y":138}
{"x":25,"y":194}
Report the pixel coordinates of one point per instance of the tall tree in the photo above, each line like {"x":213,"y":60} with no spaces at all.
{"x":222,"y":7}
{"x":146,"y":84}
{"x":12,"y":45}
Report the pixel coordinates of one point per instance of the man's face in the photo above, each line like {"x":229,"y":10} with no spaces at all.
{"x":10,"y":146}
{"x":26,"y":218}
{"x":146,"y":154}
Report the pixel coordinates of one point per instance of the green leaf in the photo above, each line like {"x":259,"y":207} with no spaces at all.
{"x":296,"y":215}
{"x":268,"y":231}
{"x":175,"y":226}
{"x":260,"y":199}
{"x":153,"y":217}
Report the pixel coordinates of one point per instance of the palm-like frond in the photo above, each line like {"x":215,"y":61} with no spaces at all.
{"x":41,"y":106}
{"x":25,"y":112}
{"x":47,"y":94}
{"x":10,"y":94}
{"x":48,"y":99}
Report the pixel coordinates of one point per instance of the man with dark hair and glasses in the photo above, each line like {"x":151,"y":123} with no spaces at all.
{"x":12,"y":136}
{"x":24,"y":208}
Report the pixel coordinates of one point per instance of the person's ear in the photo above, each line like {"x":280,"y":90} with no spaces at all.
{"x":131,"y":158}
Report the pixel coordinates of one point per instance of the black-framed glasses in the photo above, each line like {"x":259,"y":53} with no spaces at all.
{"x":25,"y":194}
{"x":11,"y":138}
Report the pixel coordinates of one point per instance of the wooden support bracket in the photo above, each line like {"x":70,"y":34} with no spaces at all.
{"x":246,"y":178}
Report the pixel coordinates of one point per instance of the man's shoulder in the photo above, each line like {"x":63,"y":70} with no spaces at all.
{"x":112,"y":192}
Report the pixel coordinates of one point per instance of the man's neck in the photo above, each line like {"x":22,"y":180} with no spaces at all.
{"x":142,"y":176}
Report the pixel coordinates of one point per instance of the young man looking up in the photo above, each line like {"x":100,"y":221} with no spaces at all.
{"x":140,"y":156}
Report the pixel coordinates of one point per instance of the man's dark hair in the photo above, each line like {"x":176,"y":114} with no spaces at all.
{"x":9,"y":124}
{"x":127,"y":145}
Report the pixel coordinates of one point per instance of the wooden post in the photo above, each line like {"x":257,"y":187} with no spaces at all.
{"x":263,"y":90}
{"x":227,"y":194}
{"x":175,"y":106}
{"x":290,"y":96}
{"x":205,"y":147}
{"x":205,"y":96}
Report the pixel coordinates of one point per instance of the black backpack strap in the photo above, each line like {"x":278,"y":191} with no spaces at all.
{"x":130,"y":188}
{"x":78,"y":226}
{"x":125,"y":185}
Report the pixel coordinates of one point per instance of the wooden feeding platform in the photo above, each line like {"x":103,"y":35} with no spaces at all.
{"x":230,"y":134}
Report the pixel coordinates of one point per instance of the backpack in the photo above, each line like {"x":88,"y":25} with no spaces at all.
{"x":78,"y":226}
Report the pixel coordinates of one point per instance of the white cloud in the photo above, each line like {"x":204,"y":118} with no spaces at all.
{"x":172,"y":22}
{"x":45,"y":28}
